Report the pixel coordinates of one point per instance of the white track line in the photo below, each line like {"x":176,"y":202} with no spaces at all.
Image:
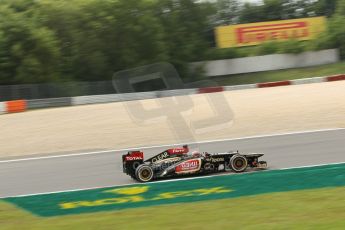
{"x":168,"y":181}
{"x":159,"y":146}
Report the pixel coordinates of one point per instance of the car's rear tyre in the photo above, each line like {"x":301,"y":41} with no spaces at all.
{"x":144,"y":173}
{"x":238,"y":163}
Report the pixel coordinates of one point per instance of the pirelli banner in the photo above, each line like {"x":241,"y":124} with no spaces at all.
{"x":257,"y":33}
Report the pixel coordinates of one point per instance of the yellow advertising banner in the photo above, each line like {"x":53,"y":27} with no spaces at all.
{"x":257,"y":33}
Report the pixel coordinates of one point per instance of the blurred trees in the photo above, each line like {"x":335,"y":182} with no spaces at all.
{"x":227,"y":12}
{"x":59,"y":40}
{"x":334,"y":37}
{"x":284,"y":9}
{"x":186,"y":31}
{"x":46,"y":40}
{"x":336,"y":29}
{"x":325,"y":7}
{"x":28,"y":52}
{"x":100,"y":37}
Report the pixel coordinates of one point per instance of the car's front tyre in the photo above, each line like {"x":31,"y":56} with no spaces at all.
{"x":238,"y":163}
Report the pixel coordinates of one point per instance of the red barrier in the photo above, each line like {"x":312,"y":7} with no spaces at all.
{"x":16,"y":106}
{"x":273,"y":84}
{"x":336,"y":77}
{"x":214,"y":89}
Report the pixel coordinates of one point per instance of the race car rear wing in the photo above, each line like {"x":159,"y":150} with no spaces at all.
{"x":131,"y":161}
{"x":133,"y":156}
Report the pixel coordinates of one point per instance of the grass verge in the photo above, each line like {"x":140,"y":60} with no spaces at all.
{"x":281,"y":75}
{"x":305,"y":209}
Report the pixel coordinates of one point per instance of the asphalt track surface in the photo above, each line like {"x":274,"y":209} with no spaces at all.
{"x":51,"y":174}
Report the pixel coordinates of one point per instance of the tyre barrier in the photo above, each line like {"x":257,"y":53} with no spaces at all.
{"x":16,"y":106}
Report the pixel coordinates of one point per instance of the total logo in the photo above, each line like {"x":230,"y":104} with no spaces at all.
{"x":133,"y":158}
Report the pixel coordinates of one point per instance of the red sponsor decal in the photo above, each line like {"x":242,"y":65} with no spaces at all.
{"x":177,"y":151}
{"x":189,"y":165}
{"x":292,"y":30}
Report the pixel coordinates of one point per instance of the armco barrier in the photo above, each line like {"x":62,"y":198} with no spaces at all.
{"x":16,"y":106}
{"x":49,"y":103}
{"x":177,"y":92}
{"x":137,"y":96}
{"x":96,"y":99}
{"x":2,"y":108}
{"x":22,"y":105}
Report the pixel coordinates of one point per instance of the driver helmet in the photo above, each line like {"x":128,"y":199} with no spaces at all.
{"x":196,"y":154}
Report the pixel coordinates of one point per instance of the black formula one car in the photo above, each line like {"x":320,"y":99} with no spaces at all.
{"x":178,"y":161}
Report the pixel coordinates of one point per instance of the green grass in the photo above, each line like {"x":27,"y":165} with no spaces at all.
{"x":309,"y":209}
{"x":280,"y":75}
